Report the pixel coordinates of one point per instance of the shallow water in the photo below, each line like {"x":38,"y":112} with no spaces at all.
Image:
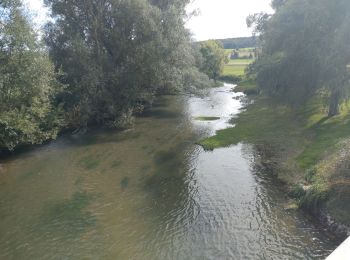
{"x":151,"y":193}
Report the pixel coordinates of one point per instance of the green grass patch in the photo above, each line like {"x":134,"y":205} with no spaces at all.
{"x":326,"y":132}
{"x":264,"y":120}
{"x":234,"y":70}
{"x":240,"y":62}
{"x":207,"y":118}
{"x":236,"y":67}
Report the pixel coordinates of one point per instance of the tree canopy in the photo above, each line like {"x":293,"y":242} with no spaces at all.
{"x":305,"y":51}
{"x":117,"y":55}
{"x":214,"y":58}
{"x":27,"y":82}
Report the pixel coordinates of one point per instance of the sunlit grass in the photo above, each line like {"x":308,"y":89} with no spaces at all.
{"x":236,"y":67}
{"x":234,"y":70}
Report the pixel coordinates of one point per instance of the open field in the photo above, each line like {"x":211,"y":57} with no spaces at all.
{"x":236,"y":67}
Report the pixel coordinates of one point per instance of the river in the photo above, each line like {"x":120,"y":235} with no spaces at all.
{"x":152,"y":193}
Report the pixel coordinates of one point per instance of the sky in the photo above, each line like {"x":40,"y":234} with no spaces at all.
{"x":37,"y":8}
{"x":216,"y":19}
{"x":219,"y":19}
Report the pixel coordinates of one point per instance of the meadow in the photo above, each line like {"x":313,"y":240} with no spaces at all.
{"x":236,"y":67}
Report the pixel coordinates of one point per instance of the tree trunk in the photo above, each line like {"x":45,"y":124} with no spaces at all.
{"x":334,"y":103}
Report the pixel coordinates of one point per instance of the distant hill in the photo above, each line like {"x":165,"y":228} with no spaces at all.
{"x":241,"y":42}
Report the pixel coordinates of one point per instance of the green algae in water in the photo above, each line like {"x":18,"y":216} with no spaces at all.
{"x":79,"y":180}
{"x":28,"y":174}
{"x":116,"y":164}
{"x":164,"y":157}
{"x":145,"y":147}
{"x":69,"y":216}
{"x":125,"y":182}
{"x":145,"y":169}
{"x":207,"y":118}
{"x":89,"y":162}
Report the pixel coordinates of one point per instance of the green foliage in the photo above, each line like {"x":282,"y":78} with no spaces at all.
{"x":27,"y":83}
{"x":214,"y":58}
{"x":297,"y":192}
{"x":117,"y":55}
{"x":305,"y":51}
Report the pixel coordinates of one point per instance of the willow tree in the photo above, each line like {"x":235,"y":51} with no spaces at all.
{"x":305,"y":51}
{"x":27,"y":82}
{"x":214,"y":58}
{"x":117,"y":55}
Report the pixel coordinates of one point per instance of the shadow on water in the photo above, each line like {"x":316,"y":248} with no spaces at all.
{"x":161,"y":114}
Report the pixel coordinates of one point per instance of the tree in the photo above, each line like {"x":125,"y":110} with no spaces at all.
{"x":214,"y":58}
{"x":27,"y":82}
{"x":304,"y":51}
{"x":117,"y":55}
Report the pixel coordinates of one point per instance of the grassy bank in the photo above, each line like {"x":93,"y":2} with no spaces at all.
{"x":307,"y":150}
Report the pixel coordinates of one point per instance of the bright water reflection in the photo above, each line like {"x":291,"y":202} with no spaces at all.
{"x":151,"y":193}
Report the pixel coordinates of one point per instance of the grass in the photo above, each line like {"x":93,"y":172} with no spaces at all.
{"x":207,"y":118}
{"x":277,"y":123}
{"x":234,"y":70}
{"x":240,"y":62}
{"x":236,"y":67}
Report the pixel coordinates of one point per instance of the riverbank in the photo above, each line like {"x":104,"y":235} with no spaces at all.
{"x":304,"y":149}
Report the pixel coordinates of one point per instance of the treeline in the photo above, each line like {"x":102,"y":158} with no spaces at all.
{"x":100,"y":63}
{"x":305,"y":51}
{"x":241,"y":42}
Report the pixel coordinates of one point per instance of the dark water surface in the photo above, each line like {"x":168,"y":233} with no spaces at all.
{"x":151,"y":193}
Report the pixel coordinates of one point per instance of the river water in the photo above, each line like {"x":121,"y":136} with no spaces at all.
{"x":152,"y":193}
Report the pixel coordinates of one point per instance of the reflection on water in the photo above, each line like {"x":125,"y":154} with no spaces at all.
{"x":151,"y":193}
